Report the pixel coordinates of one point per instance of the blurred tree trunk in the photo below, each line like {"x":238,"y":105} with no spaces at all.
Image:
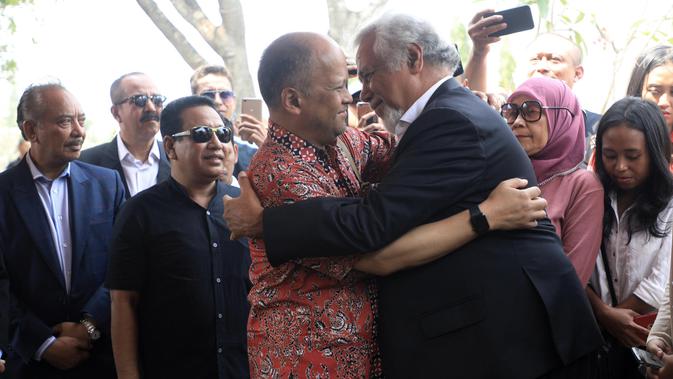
{"x":227,"y":38}
{"x":344,"y":23}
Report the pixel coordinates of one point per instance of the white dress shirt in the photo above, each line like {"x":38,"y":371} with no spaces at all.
{"x":139,"y":175}
{"x":640,"y":268}
{"x":54,"y":198}
{"x":416,"y":109}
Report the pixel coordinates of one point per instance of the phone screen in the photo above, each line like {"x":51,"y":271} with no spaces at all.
{"x":518,"y":19}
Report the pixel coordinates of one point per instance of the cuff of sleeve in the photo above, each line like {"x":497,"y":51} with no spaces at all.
{"x":45,"y":345}
{"x":649,"y":295}
{"x":662,"y":338}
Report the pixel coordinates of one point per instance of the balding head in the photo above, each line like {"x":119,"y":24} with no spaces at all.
{"x":555,"y":56}
{"x":289,"y":62}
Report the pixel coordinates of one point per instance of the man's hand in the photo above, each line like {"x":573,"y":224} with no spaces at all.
{"x":244,"y":213}
{"x":66,"y":352}
{"x":481,"y":27}
{"x":619,"y":322}
{"x":251,"y":129}
{"x":509,"y":207}
{"x":2,"y":366}
{"x":72,"y":329}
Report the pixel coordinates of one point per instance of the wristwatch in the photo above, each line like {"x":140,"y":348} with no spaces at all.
{"x":94,"y":333}
{"x":478,"y":221}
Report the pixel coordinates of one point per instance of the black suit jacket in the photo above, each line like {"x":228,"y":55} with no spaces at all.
{"x":107,"y":155}
{"x":507,"y":305}
{"x":4,"y":304}
{"x":39,"y":299}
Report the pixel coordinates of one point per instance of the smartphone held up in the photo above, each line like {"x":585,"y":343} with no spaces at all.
{"x":517,"y":19}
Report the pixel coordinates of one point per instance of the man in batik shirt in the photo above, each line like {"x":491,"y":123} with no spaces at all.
{"x":314,"y":317}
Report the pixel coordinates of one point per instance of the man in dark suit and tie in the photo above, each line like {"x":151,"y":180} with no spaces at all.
{"x":506,"y":305}
{"x":58,"y":215}
{"x":4,"y":311}
{"x":134,"y":153}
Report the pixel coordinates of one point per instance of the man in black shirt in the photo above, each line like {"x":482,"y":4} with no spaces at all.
{"x":178,"y":284}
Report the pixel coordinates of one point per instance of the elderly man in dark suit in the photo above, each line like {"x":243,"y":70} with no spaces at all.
{"x":134,"y":153}
{"x":58,"y":215}
{"x":506,"y":305}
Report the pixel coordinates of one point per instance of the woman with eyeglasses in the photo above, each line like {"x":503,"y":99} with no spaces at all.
{"x":547,"y":120}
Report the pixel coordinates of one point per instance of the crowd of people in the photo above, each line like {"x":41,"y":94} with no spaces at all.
{"x":460,"y":233}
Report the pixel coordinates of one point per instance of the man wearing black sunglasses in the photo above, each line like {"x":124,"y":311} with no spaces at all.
{"x":178,"y":283}
{"x":134,"y":152}
{"x":214,"y":81}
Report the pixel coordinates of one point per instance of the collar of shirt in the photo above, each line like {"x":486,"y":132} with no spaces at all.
{"x":215,"y":203}
{"x":125,"y":154}
{"x":416,"y":108}
{"x":299,"y":147}
{"x":37,"y":174}
{"x":234,"y":182}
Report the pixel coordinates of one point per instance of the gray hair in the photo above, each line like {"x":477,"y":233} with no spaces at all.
{"x":394,"y":32}
{"x":31,"y":103}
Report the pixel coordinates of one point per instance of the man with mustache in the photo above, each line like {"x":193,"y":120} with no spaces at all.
{"x":178,"y":284}
{"x":57,"y":219}
{"x":134,"y":152}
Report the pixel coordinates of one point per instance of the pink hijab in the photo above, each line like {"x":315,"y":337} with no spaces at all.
{"x":565,"y":147}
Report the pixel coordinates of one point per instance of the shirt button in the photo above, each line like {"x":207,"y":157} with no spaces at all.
{"x":208,"y":213}
{"x":60,"y":218}
{"x":219,"y":350}
{"x":65,"y":245}
{"x":218,"y":280}
{"x":214,"y":244}
{"x":219,"y":315}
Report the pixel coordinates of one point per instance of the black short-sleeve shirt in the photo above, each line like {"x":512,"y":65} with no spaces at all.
{"x":192,"y":280}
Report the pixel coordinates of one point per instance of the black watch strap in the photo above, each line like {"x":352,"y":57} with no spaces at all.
{"x":478,"y":220}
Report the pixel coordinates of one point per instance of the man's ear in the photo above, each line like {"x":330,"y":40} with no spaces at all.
{"x":415,"y":57}
{"x":579,"y":72}
{"x":169,"y":148}
{"x":290,"y":100}
{"x":235,"y":153}
{"x":28,"y":128}
{"x":115,"y":113}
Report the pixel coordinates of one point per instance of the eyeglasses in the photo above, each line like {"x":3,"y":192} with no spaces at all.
{"x":202,"y":133}
{"x":530,"y":111}
{"x":224,"y":95}
{"x":141,"y":100}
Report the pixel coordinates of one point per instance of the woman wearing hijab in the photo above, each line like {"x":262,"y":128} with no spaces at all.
{"x":547,"y":120}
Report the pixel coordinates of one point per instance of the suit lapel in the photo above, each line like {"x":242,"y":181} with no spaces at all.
{"x":80,"y":213}
{"x":32,"y":212}
{"x":164,"y":166}
{"x":112,"y":156}
{"x":444,"y":89}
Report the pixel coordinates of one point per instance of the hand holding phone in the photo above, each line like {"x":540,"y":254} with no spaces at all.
{"x":364,"y":109}
{"x":517,"y":19}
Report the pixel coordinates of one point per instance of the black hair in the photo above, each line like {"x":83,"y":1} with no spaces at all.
{"x":287,"y":62}
{"x":656,"y":192}
{"x":171,"y":115}
{"x":30,"y":105}
{"x":645,"y":63}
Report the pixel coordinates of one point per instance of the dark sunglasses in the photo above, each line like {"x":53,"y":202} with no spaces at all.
{"x":530,"y":111}
{"x":141,"y":100}
{"x":202,"y":133}
{"x":224,"y":95}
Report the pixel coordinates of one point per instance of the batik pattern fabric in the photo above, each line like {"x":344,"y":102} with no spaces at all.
{"x":313,"y":318}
